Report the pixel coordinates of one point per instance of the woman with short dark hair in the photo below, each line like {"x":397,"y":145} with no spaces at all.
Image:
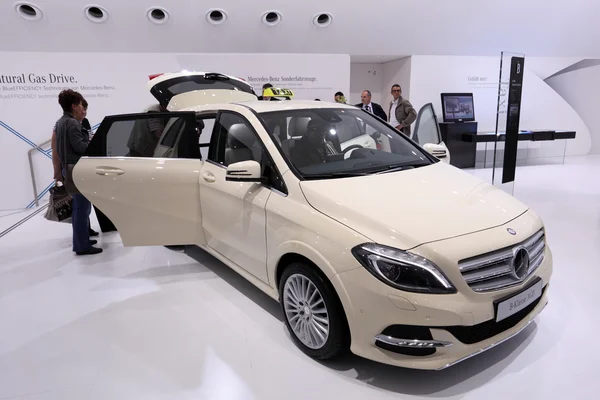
{"x":71,"y":144}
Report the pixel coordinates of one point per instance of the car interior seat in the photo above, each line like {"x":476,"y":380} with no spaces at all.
{"x":242,"y":145}
{"x":296,"y":130}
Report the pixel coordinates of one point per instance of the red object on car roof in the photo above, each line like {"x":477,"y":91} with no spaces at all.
{"x":150,"y":77}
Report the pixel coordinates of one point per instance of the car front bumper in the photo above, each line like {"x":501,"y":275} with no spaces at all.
{"x":460,"y":325}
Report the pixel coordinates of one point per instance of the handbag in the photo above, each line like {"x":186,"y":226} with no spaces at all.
{"x":60,"y":207}
{"x":69,"y":184}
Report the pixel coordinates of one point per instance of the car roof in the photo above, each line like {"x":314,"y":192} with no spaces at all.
{"x":261,"y":106}
{"x":284,"y":105}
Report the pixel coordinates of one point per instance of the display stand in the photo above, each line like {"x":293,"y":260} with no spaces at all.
{"x":507,"y":120}
{"x":463,"y":148}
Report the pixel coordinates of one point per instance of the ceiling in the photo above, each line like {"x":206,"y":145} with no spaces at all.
{"x":371,"y":31}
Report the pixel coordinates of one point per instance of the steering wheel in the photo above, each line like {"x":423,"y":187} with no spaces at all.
{"x":350,"y":148}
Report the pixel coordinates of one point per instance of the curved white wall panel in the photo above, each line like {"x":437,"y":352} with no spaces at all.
{"x":581,"y":89}
{"x":545,"y":67}
{"x":544,"y":108}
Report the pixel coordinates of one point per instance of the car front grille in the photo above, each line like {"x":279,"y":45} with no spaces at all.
{"x":506,"y":267}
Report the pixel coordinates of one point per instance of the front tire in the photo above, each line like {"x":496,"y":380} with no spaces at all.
{"x":313,"y":313}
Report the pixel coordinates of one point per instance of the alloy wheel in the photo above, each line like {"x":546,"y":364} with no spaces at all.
{"x":306,"y":311}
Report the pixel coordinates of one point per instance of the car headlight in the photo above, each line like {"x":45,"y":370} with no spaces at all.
{"x":403,"y":270}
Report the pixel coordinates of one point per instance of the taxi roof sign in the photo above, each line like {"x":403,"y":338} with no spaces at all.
{"x":278,"y":92}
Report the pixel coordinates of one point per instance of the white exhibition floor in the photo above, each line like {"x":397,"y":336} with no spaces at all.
{"x":151,"y":323}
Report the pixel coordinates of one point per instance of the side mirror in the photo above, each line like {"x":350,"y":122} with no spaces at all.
{"x":437,"y":150}
{"x":244,"y":171}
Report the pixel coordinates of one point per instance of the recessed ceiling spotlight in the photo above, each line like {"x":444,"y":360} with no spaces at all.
{"x":271,"y":18}
{"x":29,"y":11}
{"x":95,"y":13}
{"x":216,"y":16}
{"x":322,"y":20}
{"x":158,"y":15}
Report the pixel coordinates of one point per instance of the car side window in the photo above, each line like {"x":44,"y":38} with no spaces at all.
{"x":205,"y":126}
{"x":145,"y":137}
{"x":236,"y":141}
{"x":150,"y":134}
{"x":171,"y":133}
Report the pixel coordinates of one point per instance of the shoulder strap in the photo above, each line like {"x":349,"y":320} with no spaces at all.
{"x":63,"y":128}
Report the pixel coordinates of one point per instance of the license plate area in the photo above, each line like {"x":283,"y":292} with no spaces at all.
{"x":514,"y":303}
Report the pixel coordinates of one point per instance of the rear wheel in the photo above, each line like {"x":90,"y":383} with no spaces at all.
{"x":313,"y":313}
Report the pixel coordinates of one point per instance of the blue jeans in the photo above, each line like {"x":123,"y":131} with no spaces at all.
{"x":80,"y":222}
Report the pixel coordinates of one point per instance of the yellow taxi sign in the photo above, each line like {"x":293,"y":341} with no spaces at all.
{"x":277,"y":92}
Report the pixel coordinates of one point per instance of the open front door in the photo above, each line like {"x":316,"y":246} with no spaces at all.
{"x":142,"y":172}
{"x":427,"y":133}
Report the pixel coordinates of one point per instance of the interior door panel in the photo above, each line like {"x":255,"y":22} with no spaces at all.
{"x":427,"y":130}
{"x":151,"y":200}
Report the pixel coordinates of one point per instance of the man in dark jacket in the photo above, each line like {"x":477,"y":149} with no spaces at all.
{"x":371,"y":107}
{"x":402,"y":113}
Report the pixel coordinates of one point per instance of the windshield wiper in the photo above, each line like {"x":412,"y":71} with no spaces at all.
{"x":363,"y":172}
{"x":339,"y":174}
{"x":402,"y":167}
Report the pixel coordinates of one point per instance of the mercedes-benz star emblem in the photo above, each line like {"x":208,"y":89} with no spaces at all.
{"x":512,"y":231}
{"x":520,"y":263}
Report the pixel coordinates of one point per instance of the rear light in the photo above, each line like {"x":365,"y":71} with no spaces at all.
{"x":150,"y":77}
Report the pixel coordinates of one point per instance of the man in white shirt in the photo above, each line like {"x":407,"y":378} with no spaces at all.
{"x":402,"y":113}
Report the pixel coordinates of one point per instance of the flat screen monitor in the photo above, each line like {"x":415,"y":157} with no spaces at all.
{"x":458,"y":107}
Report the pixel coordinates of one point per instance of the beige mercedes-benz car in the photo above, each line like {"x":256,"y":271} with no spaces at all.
{"x":368,"y":241}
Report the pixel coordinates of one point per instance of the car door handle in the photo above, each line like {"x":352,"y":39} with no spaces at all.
{"x":108,"y":171}
{"x":208,"y":177}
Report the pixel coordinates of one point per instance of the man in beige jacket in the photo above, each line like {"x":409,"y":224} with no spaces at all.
{"x":401,"y":112}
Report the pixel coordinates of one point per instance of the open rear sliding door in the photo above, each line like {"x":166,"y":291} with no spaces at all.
{"x":142,"y":172}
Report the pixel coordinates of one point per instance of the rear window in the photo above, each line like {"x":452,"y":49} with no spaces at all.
{"x":164,"y":91}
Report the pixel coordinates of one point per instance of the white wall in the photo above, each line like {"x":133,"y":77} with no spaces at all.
{"x":365,"y":77}
{"x":396,"y":72}
{"x":379,"y":78}
{"x":433,"y":75}
{"x":115,"y":83}
{"x":542,"y":107}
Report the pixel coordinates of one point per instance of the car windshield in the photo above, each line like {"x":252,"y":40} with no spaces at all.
{"x":327,"y":143}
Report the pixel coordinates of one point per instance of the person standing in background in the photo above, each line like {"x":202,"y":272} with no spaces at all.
{"x":402,"y":113}
{"x":371,"y":107}
{"x":87,"y":130}
{"x":146,"y":133}
{"x":339,"y":98}
{"x":71,"y":144}
{"x":267,"y":98}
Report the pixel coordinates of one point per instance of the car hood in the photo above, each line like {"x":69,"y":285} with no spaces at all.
{"x":405,"y":209}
